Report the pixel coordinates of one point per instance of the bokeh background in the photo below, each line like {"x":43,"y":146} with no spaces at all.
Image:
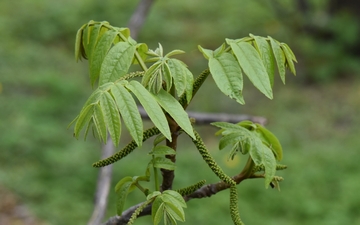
{"x":46,"y":175}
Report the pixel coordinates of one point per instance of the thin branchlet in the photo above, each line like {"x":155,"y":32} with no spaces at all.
{"x":127,"y":149}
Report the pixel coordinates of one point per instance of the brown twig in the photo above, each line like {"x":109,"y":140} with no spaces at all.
{"x":139,"y":16}
{"x":203,"y":192}
{"x":103,"y":186}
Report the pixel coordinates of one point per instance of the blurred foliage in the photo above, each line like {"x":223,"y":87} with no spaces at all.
{"x":42,"y":89}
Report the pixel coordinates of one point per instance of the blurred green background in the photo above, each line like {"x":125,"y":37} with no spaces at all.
{"x":315,"y":115}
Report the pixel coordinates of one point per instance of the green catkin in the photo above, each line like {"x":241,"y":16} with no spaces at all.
{"x":197,"y":84}
{"x":189,"y":190}
{"x":138,"y":211}
{"x":210,"y":160}
{"x":261,"y":167}
{"x":235,"y":216}
{"x":127,"y":149}
{"x":132,"y":75}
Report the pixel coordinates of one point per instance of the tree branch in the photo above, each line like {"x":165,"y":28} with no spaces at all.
{"x":139,"y":16}
{"x":205,"y":191}
{"x":102,"y":186}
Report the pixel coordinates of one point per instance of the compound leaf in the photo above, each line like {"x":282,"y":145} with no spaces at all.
{"x":269,"y":162}
{"x":174,"y":52}
{"x":99,"y":122}
{"x":150,"y":105}
{"x":252,"y":65}
{"x":101,"y":49}
{"x":264,"y":48}
{"x":163,"y":163}
{"x":279,"y":56}
{"x":158,"y":210}
{"x":165,"y":70}
{"x":152,"y":71}
{"x":174,"y":210}
{"x":111,"y":117}
{"x":162,"y":150}
{"x":83,"y":119}
{"x":208,"y":54}
{"x":122,"y":189}
{"x":178,"y":74}
{"x":289,"y":57}
{"x":117,"y":62}
{"x":79,"y":48}
{"x":175,"y":110}
{"x":270,"y":140}
{"x":227,"y":75}
{"x":176,"y":196}
{"x":93,"y":33}
{"x":129,"y":112}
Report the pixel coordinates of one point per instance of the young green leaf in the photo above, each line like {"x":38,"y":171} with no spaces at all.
{"x":229,"y":127}
{"x":155,"y":82}
{"x":176,"y":196}
{"x":158,"y":210}
{"x":174,"y":211}
{"x":117,"y":62}
{"x":262,"y":155}
{"x":162,"y":150}
{"x":264,"y":48}
{"x":83,"y":119}
{"x":92,"y":38}
{"x":208,"y":54}
{"x":79,"y":48}
{"x":271,"y":141}
{"x":219,"y":50}
{"x":227,"y":75}
{"x":142,"y":49}
{"x":86,"y":38}
{"x":175,"y":110}
{"x":111,"y":117}
{"x":152,"y":71}
{"x":124,"y":31}
{"x":165,"y":70}
{"x":256,"y":149}
{"x":99,"y":122}
{"x":269,"y":162}
{"x":289,"y":57}
{"x":279,"y":56}
{"x":179,"y":75}
{"x":163,"y":163}
{"x":122,"y":189}
{"x":174,"y":52}
{"x":233,"y":139}
{"x":153,"y":195}
{"x":290,"y":51}
{"x":160,"y":138}
{"x":247,"y":124}
{"x":189,"y":85}
{"x":252,"y":65}
{"x":150,"y":105}
{"x":129,"y":112}
{"x":101,"y":49}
